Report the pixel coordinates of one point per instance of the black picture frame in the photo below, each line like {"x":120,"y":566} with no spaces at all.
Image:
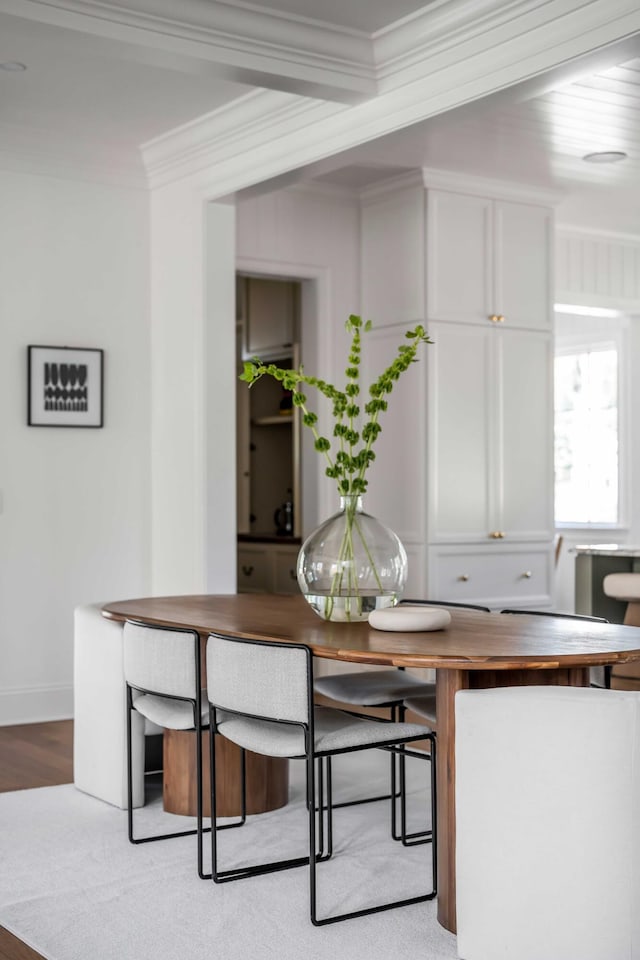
{"x":65,"y":386}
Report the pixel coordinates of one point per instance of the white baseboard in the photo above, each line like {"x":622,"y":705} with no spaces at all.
{"x":36,"y":704}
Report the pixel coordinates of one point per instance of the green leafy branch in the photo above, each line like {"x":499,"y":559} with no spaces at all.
{"x":351,"y":454}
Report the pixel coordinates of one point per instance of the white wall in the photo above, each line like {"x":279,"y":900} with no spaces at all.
{"x":74,"y":523}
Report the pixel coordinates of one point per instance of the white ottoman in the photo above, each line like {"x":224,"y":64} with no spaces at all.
{"x":548,"y":833}
{"x":99,"y":716}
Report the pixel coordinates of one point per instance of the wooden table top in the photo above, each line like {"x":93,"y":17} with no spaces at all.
{"x":473,"y":641}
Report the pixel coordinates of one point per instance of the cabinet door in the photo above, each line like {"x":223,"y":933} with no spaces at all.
{"x":285,"y":563}
{"x":395,"y":494}
{"x":525,"y":466}
{"x":254,"y":570}
{"x":459,"y":257}
{"x":523,"y":244}
{"x":270,"y":306}
{"x":461,"y":432}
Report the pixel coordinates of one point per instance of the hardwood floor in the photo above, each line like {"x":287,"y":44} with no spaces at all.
{"x":33,"y":755}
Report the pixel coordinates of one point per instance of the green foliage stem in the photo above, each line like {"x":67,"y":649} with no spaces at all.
{"x":350,"y":456}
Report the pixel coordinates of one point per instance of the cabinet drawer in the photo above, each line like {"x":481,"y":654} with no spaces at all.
{"x":492,"y":576}
{"x":285,"y":563}
{"x":253,"y":571}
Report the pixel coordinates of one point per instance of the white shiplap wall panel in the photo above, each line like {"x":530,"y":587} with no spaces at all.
{"x":597,"y":270}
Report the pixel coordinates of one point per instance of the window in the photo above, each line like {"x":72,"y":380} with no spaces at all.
{"x":588,"y":417}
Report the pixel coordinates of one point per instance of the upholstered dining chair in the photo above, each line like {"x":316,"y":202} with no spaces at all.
{"x":163,"y":684}
{"x":539,"y":770}
{"x":599,"y":676}
{"x":393,"y":690}
{"x":261,"y":698}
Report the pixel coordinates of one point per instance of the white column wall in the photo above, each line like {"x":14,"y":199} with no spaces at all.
{"x":74,"y":516}
{"x":193,"y":431}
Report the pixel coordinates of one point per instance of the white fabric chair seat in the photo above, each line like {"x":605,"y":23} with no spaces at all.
{"x":548,"y":823}
{"x":372,"y":688}
{"x":622,"y":586}
{"x":169,"y":713}
{"x":334,"y":730}
{"x":423,"y":706}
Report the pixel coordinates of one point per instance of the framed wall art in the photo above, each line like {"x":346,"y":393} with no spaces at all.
{"x":65,"y":387}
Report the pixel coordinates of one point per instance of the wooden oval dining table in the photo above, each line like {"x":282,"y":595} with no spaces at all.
{"x":476,"y":650}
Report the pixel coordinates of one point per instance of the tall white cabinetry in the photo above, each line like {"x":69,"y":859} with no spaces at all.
{"x":478,"y":415}
{"x":490,"y":399}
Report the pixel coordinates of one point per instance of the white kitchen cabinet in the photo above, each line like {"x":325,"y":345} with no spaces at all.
{"x":267,"y":311}
{"x":489,"y":434}
{"x":488,"y":261}
{"x":500,"y":575}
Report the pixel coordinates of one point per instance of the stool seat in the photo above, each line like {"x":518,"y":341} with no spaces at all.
{"x":622,"y":586}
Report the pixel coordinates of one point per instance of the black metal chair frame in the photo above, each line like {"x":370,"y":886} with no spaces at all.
{"x":198,"y":727}
{"x":320,"y":839}
{"x":397,"y":712}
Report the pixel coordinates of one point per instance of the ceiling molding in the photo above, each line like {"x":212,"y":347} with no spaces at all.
{"x":260,"y":117}
{"x":238,"y":44}
{"x":404,"y":181}
{"x":454,"y":75}
{"x":23,"y":151}
{"x":487,"y":187}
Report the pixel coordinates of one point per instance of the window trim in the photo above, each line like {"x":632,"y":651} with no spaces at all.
{"x":605,"y":331}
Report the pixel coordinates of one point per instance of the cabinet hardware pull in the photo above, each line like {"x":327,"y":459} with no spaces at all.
{"x":494,"y":318}
{"x":527,"y":575}
{"x":247,"y":570}
{"x":463,"y":577}
{"x":293,"y":574}
{"x":497,"y":535}
{"x":500,"y":318}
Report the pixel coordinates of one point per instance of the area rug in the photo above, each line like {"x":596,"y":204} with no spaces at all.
{"x":73,"y":888}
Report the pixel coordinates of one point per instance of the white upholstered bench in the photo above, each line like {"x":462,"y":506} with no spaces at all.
{"x":99,"y":719}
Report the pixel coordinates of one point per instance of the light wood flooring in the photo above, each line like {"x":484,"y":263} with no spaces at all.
{"x":33,"y":755}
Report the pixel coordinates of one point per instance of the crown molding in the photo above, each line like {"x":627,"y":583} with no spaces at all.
{"x":378,"y":191}
{"x":233,"y":157}
{"x":24,"y":150}
{"x":487,"y":187}
{"x":241,"y":44}
{"x":260,"y":117}
{"x":594,"y":233}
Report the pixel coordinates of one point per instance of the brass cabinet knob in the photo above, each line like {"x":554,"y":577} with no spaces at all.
{"x":247,"y":570}
{"x":497,"y":535}
{"x":500,"y":318}
{"x":463,"y":577}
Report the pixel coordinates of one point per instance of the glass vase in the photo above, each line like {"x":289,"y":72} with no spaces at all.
{"x":352,"y":564}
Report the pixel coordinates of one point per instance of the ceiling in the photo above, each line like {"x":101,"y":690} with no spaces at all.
{"x":91,"y":95}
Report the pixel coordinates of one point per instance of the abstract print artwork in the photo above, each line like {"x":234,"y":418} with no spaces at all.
{"x":65,"y":387}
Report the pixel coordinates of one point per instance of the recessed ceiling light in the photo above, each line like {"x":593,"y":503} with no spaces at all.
{"x":605,"y":156}
{"x":13,"y":65}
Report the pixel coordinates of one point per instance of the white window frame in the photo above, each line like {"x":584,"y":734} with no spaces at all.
{"x":591,"y":331}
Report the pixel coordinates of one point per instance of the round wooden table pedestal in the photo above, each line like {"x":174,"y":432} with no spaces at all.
{"x":267,"y":778}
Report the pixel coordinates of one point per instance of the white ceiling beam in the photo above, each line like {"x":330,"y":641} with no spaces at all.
{"x":553,"y":33}
{"x":216,"y":39}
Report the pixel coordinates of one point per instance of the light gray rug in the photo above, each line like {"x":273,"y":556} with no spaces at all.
{"x":73,"y":888}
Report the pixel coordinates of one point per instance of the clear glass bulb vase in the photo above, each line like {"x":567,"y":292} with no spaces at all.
{"x":352,"y":564}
